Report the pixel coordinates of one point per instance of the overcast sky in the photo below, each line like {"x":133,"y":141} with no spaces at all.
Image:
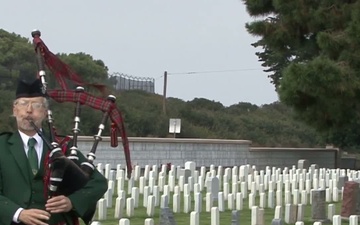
{"x":144,"y":38}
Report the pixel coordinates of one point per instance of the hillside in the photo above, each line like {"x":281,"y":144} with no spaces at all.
{"x":267,"y":125}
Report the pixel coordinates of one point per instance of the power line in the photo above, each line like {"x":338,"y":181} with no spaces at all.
{"x":214,"y":71}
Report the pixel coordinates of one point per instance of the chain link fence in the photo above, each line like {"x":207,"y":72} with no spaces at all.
{"x":128,"y":82}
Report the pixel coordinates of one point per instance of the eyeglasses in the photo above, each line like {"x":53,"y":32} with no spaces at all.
{"x":25,"y":104}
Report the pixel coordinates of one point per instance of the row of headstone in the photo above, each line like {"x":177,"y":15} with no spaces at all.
{"x":241,"y":173}
{"x":293,"y":213}
{"x":213,"y":193}
{"x":257,"y":218}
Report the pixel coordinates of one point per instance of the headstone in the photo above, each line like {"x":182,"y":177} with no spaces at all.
{"x":151,"y":182}
{"x":130,"y":185}
{"x":130,"y":207}
{"x":226,"y":190}
{"x":119,"y":207}
{"x":156,"y":193}
{"x":102,"y":209}
{"x":161,"y":183}
{"x":146,"y":172}
{"x":150,"y":208}
{"x":255,"y":215}
{"x":166,"y":217}
{"x":191,"y":181}
{"x":313,"y":168}
{"x":135,"y":196}
{"x":251,"y":200}
{"x":341,"y":182}
{"x":176,"y":203}
{"x":318,"y":207}
{"x":350,"y":204}
{"x":262,"y":202}
{"x":194,"y":218}
{"x":213,"y":187}
{"x":187,"y":203}
{"x":209,"y":201}
{"x":137,"y":171}
{"x":99,"y":167}
{"x":278,"y":212}
{"x":271,"y":199}
{"x":146,"y":195}
{"x":331,"y":211}
{"x":279,"y":198}
{"x":198,"y":202}
{"x":335,"y":194}
{"x":303,"y":164}
{"x":149,"y":221}
{"x":180,"y":172}
{"x":164,"y":202}
{"x":353,"y":220}
{"x":180,"y":184}
{"x":231,"y":201}
{"x":277,"y":222}
{"x":215,"y":216}
{"x":124,"y":221}
{"x":290,"y":213}
{"x":221,"y":202}
{"x":287,"y":197}
{"x":336,"y":219}
{"x":112,"y":175}
{"x":171,"y":183}
{"x":142,"y":183}
{"x":190,"y":166}
{"x":120,"y":184}
{"x":300,"y":212}
{"x":187,"y":174}
{"x":261,"y":216}
{"x":238,"y":201}
{"x":108,"y":198}
{"x":235,"y":217}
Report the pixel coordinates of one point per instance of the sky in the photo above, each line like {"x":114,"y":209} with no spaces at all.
{"x":202,"y":44}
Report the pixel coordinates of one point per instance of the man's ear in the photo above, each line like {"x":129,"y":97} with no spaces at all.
{"x":14,"y":111}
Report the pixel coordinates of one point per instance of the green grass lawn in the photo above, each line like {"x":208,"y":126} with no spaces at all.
{"x":204,"y":217}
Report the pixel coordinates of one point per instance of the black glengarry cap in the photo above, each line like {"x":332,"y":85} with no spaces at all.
{"x":29,"y":89}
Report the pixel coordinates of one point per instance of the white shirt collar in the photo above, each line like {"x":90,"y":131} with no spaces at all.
{"x":25,"y":138}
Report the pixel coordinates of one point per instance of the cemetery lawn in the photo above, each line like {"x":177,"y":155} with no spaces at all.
{"x":205,"y":217}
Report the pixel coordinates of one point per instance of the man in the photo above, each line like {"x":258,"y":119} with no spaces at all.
{"x":22,"y":199}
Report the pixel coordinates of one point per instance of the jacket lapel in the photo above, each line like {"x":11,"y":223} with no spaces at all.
{"x":18,"y":152}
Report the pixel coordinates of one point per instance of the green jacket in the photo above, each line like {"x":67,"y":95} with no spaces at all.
{"x":18,"y":188}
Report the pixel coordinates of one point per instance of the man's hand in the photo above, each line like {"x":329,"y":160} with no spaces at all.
{"x":58,"y":204}
{"x":34,"y":217}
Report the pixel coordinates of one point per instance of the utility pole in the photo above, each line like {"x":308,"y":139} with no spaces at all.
{"x":164,"y":94}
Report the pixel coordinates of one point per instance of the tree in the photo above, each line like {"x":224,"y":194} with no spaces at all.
{"x":311,"y":51}
{"x":17,"y":59}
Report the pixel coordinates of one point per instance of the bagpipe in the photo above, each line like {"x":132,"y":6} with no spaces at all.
{"x":66,"y":173}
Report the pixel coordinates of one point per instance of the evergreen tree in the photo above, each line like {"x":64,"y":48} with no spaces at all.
{"x":311,"y":51}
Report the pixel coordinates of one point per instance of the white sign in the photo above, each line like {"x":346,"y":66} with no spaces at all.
{"x":174,"y":126}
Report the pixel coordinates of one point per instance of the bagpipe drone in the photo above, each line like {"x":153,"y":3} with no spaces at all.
{"x":65,"y":174}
